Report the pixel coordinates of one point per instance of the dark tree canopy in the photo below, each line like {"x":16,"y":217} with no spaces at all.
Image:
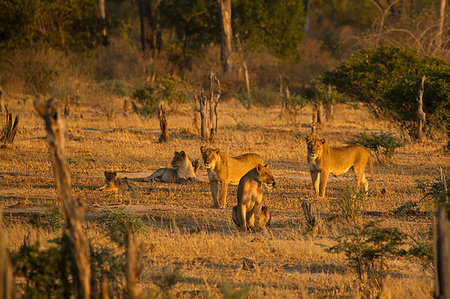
{"x":389,"y":78}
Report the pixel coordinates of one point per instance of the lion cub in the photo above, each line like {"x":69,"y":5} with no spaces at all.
{"x":226,"y":170}
{"x":183,"y":171}
{"x":323,"y":160}
{"x":249,"y":207}
{"x":116,"y":185}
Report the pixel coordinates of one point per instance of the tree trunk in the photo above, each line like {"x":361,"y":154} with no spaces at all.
{"x":150,"y":36}
{"x":214,"y":96}
{"x":164,"y":137}
{"x":441,"y":26}
{"x":131,"y":265}
{"x":442,"y":246}
{"x":306,"y":8}
{"x":224,"y":7}
{"x":205,"y":129}
{"x":421,"y":116}
{"x":102,"y":13}
{"x":6,"y":270}
{"x":74,"y":216}
{"x":244,"y":65}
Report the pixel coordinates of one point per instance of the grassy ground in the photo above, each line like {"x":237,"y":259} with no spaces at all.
{"x":184,"y":232}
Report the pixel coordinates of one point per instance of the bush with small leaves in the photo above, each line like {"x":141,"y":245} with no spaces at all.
{"x":118,"y":221}
{"x":374,"y":141}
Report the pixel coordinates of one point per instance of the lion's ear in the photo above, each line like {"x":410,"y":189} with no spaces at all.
{"x":202,"y":148}
{"x":266,"y":165}
{"x":323,"y":141}
{"x":308,"y":139}
{"x":217,"y":150}
{"x":176,"y":153}
{"x":183,"y":153}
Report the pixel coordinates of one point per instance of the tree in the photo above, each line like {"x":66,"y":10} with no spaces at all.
{"x":150,"y":35}
{"x":276,"y":26}
{"x":224,"y":7}
{"x":387,"y":78}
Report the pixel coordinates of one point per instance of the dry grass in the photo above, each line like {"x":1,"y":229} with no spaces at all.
{"x":185,"y":232}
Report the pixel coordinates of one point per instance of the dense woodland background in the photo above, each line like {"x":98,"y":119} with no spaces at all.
{"x":154,"y":50}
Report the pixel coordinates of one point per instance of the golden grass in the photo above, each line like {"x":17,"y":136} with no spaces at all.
{"x":185,"y":232}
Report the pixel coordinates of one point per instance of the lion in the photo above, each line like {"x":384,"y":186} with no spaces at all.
{"x":226,"y":170}
{"x":183,"y":171}
{"x":116,"y":185}
{"x":264,"y":219}
{"x":323,"y":160}
{"x":249,"y":199}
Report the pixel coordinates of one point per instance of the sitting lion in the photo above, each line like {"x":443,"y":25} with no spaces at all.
{"x":249,"y":207}
{"x":183,"y":171}
{"x":226,"y":170}
{"x":264,"y":219}
{"x":116,"y":185}
{"x":323,"y":160}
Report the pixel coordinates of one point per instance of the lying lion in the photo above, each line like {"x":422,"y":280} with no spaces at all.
{"x":183,"y":171}
{"x":226,"y":170}
{"x":116,"y":185}
{"x":323,"y":160}
{"x":249,"y":209}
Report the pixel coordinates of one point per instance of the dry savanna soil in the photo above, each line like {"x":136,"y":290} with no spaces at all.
{"x":182,"y":229}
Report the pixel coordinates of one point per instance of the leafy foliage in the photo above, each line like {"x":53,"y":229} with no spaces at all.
{"x":45,"y":271}
{"x":52,"y":218}
{"x":368,"y":247}
{"x":435,"y":191}
{"x":374,"y":141}
{"x":167,"y":279}
{"x":168,"y":89}
{"x":276,"y":26}
{"x":351,"y":204}
{"x":66,"y":25}
{"x":118,"y":221}
{"x":389,"y":77}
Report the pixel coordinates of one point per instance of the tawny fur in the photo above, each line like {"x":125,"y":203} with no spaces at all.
{"x":323,"y":160}
{"x":183,"y":171}
{"x":114,"y":184}
{"x":249,"y":210}
{"x":226,"y":170}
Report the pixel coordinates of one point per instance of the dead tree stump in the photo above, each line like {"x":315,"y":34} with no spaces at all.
{"x":74,"y":216}
{"x":9,"y":130}
{"x":207,"y":107}
{"x":421,"y":116}
{"x":163,"y":125}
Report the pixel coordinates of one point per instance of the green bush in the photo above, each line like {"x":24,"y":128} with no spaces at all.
{"x":52,"y":218}
{"x":166,"y":89}
{"x":118,"y":222}
{"x":368,"y":247}
{"x":389,"y":77}
{"x":373,"y":141}
{"x":351,"y":204}
{"x":434,"y":190}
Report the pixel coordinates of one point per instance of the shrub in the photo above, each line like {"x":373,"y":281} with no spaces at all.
{"x":166,"y":279}
{"x":52,"y":218}
{"x":168,"y":89}
{"x":435,"y":191}
{"x":118,"y":222}
{"x":389,"y":77}
{"x":373,"y":141}
{"x":350,"y":204}
{"x":368,"y":247}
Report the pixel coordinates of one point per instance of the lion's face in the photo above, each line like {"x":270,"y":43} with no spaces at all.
{"x":110,"y":176}
{"x":315,"y":147}
{"x":264,"y":176}
{"x":178,"y":159}
{"x":209,"y":156}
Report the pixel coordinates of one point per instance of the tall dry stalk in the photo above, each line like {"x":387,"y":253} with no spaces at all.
{"x":131,"y":265}
{"x":78,"y":243}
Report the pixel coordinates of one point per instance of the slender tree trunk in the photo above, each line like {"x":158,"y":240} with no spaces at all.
{"x":74,"y":216}
{"x":306,"y":8}
{"x":102,"y":13}
{"x":164,"y":137}
{"x":244,"y":65}
{"x":227,"y":36}
{"x":421,"y":116}
{"x":6,"y":270}
{"x":205,"y":129}
{"x":441,"y":25}
{"x":149,"y":31}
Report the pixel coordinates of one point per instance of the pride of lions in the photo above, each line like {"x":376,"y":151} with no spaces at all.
{"x":250,"y":173}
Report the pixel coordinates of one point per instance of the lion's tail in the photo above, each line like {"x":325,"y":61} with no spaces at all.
{"x":382,"y":190}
